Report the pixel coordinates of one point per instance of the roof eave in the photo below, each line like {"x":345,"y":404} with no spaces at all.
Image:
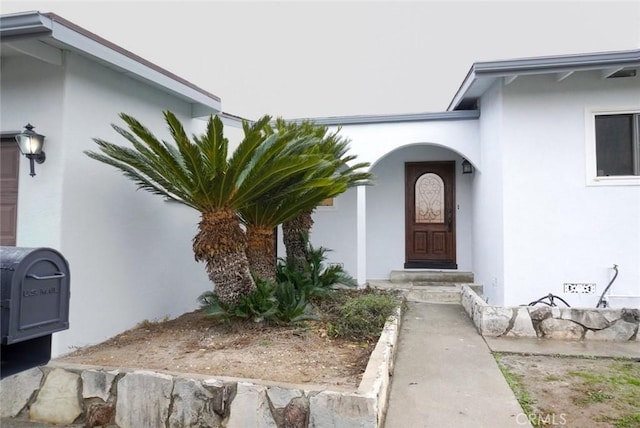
{"x":541,"y":65}
{"x":23,"y":24}
{"x":391,"y":118}
{"x":73,"y":37}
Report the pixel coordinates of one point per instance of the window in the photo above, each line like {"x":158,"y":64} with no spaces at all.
{"x":326,"y":202}
{"x":613,"y":147}
{"x":617,"y":144}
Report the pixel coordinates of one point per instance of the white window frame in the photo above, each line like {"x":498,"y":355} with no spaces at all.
{"x":590,"y":139}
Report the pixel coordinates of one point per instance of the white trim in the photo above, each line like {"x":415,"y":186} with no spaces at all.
{"x":361,"y":236}
{"x":592,"y":179}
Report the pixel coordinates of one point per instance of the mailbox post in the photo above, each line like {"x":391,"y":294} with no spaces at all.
{"x":34,"y":302}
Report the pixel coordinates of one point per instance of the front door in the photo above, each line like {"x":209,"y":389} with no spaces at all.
{"x":430,"y":215}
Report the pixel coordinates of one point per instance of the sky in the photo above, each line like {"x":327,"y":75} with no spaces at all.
{"x":301,"y":58}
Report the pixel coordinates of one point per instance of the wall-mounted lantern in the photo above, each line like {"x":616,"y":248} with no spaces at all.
{"x":467,"y":168}
{"x":30,"y":144}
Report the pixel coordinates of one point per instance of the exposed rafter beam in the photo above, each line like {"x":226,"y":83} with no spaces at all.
{"x":610,"y":71}
{"x":509,"y":79}
{"x":38,"y":50}
{"x":561,"y":76}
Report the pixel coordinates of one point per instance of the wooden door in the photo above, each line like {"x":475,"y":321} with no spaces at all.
{"x":430,"y":221}
{"x":9,"y":158}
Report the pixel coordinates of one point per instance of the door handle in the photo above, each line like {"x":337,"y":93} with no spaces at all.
{"x":54,"y":276}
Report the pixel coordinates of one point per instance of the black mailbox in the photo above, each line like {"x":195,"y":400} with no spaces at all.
{"x":35,"y":303}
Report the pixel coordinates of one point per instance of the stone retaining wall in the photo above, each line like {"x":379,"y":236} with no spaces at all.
{"x":551,"y":322}
{"x":133,"y":399}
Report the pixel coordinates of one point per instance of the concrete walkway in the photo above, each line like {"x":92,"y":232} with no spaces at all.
{"x":445,"y":376}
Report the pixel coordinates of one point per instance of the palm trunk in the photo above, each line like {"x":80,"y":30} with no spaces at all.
{"x":221,"y":244}
{"x":261,"y":252}
{"x":295,"y":233}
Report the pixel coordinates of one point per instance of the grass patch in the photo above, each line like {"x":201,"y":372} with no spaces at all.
{"x":605,"y":391}
{"x":621,"y":381}
{"x":522,"y":395}
{"x":630,"y":421}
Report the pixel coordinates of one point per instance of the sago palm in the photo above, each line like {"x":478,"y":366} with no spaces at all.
{"x":332,"y":146}
{"x":302,"y":192}
{"x":200,"y":174}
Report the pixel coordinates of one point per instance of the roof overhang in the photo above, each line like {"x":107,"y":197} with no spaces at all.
{"x":483,"y":75}
{"x":46,"y":35}
{"x":391,"y":118}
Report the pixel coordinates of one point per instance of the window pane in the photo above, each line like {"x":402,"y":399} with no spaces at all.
{"x":430,"y":199}
{"x":614,"y":144}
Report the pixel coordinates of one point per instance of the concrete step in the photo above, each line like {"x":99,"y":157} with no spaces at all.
{"x":430,"y":276}
{"x":425,"y":292}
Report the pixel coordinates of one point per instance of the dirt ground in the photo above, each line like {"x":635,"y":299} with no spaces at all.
{"x":578,"y":392}
{"x":560,"y":391}
{"x":193,"y":343}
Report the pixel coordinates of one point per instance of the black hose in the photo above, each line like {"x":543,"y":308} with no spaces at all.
{"x":551,"y":302}
{"x":602,"y":303}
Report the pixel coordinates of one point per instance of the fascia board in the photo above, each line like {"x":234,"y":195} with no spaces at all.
{"x":24,"y":23}
{"x":232,"y":120}
{"x":392,"y":118}
{"x":463,"y":89}
{"x":553,"y":64}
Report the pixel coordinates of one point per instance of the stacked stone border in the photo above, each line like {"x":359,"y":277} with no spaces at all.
{"x":93,"y":396}
{"x":551,"y":322}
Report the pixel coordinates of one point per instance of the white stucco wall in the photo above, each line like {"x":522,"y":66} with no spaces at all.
{"x":558,"y":229}
{"x":129,"y":251}
{"x":487,"y":193}
{"x":31,"y":92}
{"x":335,"y":229}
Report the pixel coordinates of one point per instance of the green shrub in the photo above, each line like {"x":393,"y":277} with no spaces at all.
{"x":287,"y":300}
{"x":292,"y":304}
{"x":260,"y":305}
{"x":315,"y":280}
{"x":363,"y":317}
{"x":276,"y":303}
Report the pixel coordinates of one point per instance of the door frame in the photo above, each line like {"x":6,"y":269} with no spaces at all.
{"x":450,"y":210}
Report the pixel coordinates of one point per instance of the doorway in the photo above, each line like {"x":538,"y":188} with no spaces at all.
{"x":430,"y":216}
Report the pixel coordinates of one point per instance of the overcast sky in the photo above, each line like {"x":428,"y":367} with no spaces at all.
{"x":315,"y":59}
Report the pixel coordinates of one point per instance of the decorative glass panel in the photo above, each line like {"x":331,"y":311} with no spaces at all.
{"x":430,"y":199}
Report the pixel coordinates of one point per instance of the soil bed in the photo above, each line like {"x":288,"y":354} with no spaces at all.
{"x":194,"y":343}
{"x":576,"y":392}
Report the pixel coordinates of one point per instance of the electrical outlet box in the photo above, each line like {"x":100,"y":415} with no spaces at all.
{"x":579,"y":288}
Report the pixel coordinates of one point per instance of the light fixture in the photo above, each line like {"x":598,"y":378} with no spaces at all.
{"x":30,"y":144}
{"x":467,"y":168}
